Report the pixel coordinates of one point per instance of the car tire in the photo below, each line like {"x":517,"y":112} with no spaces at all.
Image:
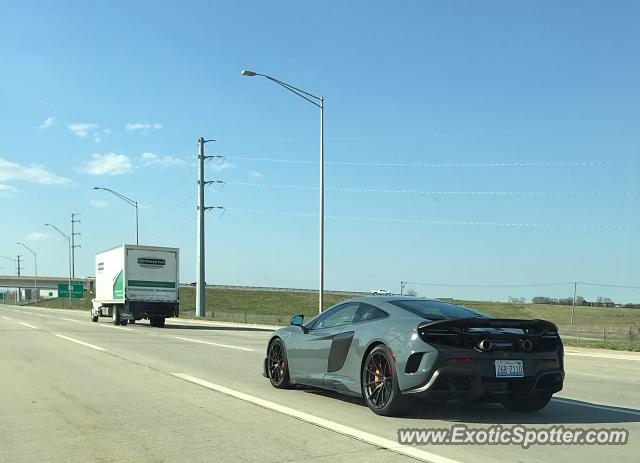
{"x":115,"y":315}
{"x":278,"y":365}
{"x":379,"y":382}
{"x":527,"y":404}
{"x":132,"y":321}
{"x":157,"y":322}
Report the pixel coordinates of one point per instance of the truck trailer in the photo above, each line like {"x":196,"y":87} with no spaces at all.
{"x":136,"y":282}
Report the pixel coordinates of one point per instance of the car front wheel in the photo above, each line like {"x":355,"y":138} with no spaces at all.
{"x":277,"y":365}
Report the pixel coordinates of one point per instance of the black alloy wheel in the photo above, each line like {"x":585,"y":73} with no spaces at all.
{"x":277,"y":367}
{"x":380,"y":383}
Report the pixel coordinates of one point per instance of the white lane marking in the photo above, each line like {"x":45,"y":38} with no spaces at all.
{"x":597,"y":407}
{"x":323,"y":423}
{"x":214,"y":344}
{"x":70,"y":320}
{"x":604,"y":356}
{"x":86,"y":344}
{"x":104,"y":325}
{"x":6,"y":318}
{"x":28,"y":326}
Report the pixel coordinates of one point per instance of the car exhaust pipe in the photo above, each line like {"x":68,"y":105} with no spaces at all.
{"x":484,"y":345}
{"x":526,"y":345}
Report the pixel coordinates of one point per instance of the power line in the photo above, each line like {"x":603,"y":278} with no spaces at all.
{"x":172,"y":208}
{"x":443,"y":193}
{"x":170,"y":189}
{"x":446,"y":222}
{"x":438,"y":165}
{"x":608,"y":286}
{"x":525,"y":285}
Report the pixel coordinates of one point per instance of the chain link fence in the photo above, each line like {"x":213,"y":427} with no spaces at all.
{"x":601,"y":332}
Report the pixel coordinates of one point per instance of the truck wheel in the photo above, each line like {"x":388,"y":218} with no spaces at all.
{"x":158,"y":322}
{"x":94,"y":317}
{"x":116,"y":315}
{"x":132,"y":321}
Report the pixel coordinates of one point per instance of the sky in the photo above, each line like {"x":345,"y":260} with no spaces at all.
{"x":474,"y":144}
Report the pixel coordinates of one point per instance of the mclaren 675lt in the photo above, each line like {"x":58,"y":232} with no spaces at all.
{"x":393,"y":350}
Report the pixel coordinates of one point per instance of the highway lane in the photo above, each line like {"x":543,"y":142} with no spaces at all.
{"x":230,"y":356}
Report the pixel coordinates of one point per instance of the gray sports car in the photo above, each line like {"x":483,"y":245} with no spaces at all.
{"x":391,"y":349}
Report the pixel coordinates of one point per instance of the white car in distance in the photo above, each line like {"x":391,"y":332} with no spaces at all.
{"x":381,"y":292}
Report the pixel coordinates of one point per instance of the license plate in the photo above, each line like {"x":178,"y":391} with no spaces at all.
{"x":509,"y":369}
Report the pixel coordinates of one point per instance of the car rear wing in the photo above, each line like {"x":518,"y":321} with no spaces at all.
{"x":460,"y":325}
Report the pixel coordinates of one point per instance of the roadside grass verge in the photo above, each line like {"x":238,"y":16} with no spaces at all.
{"x":633,"y":346}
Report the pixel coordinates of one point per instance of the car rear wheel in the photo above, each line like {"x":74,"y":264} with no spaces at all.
{"x":157,"y":322}
{"x":527,"y":404}
{"x":277,"y":365}
{"x":380,"y":383}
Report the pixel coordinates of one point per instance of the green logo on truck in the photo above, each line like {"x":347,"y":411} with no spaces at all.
{"x":152,"y":284}
{"x":118,"y":286}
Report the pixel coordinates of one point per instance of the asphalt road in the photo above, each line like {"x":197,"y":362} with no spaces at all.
{"x":73,"y":390}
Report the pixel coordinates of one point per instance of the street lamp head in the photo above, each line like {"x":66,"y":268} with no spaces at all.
{"x":248,"y":73}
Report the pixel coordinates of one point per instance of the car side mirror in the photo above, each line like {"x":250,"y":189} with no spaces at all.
{"x":297,"y":320}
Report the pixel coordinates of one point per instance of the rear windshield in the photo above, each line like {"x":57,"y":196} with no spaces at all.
{"x":436,"y":310}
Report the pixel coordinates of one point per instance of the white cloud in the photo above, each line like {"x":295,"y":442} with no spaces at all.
{"x":97,"y":139}
{"x":220,"y":166}
{"x":82,"y":129}
{"x":108,"y":164}
{"x":143,"y":126}
{"x":152,"y":159}
{"x":48,"y":122}
{"x":34,"y":174}
{"x":256,"y":174}
{"x":6,"y":190}
{"x":37,"y":236}
{"x":99,"y":204}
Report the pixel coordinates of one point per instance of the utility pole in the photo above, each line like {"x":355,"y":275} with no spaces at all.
{"x":73,"y":245}
{"x":200,"y":238}
{"x":402,"y":285}
{"x":18,"y":295}
{"x":573,"y":306}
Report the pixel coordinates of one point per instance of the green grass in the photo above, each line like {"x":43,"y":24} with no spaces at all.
{"x":276,"y":307}
{"x":283,"y":303}
{"x":612,"y":345}
{"x":559,"y":314}
{"x":262,"y":302}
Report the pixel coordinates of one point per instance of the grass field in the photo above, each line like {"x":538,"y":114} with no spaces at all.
{"x":282,"y":303}
{"x":276,"y":307}
{"x":612,"y":345}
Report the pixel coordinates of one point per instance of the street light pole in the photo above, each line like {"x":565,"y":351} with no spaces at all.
{"x":68,"y":238}
{"x":35,"y":266}
{"x":129,"y":201}
{"x":319,"y":102}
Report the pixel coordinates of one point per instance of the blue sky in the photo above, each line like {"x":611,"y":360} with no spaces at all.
{"x":86,"y":89}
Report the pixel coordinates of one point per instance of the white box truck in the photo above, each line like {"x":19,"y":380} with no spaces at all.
{"x":136,"y":282}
